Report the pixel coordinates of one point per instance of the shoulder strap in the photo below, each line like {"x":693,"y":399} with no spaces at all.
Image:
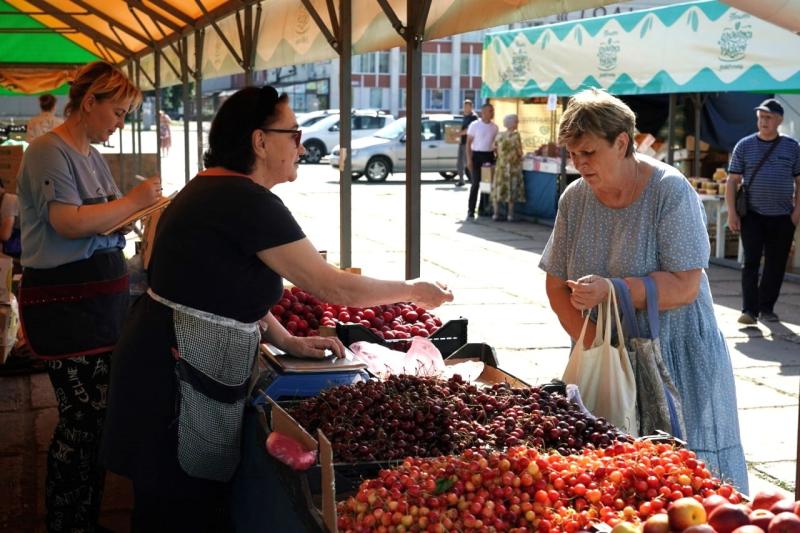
{"x":764,"y":159}
{"x":652,"y":305}
{"x":629,"y":323}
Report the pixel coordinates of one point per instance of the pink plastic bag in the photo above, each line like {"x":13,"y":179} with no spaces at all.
{"x":290,"y":452}
{"x":423,"y":358}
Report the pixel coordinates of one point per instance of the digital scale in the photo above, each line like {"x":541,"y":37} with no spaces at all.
{"x":286,"y":377}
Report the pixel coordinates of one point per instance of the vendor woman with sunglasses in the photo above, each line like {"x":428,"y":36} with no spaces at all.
{"x":181,"y":368}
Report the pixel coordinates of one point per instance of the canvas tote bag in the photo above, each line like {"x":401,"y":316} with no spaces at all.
{"x":603,"y":373}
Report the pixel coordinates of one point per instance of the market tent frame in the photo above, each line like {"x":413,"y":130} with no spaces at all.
{"x":154,"y":39}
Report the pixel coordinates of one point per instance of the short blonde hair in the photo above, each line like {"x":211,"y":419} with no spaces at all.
{"x":508,"y":120}
{"x":597,"y":112}
{"x":104,"y":81}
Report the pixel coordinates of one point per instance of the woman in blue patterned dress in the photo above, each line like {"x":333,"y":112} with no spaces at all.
{"x":632,"y":216}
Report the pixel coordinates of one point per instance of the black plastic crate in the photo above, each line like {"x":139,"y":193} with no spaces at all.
{"x":448,"y":338}
{"x":475,"y":350}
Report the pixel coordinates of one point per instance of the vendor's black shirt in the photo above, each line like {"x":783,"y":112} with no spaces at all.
{"x":465,"y":122}
{"x":204,"y":254}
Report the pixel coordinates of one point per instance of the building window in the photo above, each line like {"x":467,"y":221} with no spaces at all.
{"x":375,"y":97}
{"x":470,"y":94}
{"x":464,"y":67}
{"x":429,"y":64}
{"x":402,"y":102}
{"x":445,"y":64}
{"x":364,"y":64}
{"x":383,"y":62}
{"x":402,"y":62}
{"x":475,"y":64}
{"x":437,"y":99}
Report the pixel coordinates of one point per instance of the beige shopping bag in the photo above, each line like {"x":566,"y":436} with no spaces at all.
{"x":603,"y":373}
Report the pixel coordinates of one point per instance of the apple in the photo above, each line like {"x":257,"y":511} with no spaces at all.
{"x":658,"y":523}
{"x":761,"y":518}
{"x":785,"y":523}
{"x":625,"y":527}
{"x":782,"y":506}
{"x":712,"y":502}
{"x":728,"y":517}
{"x":749,"y":528}
{"x":686,"y":512}
{"x":765,"y":499}
{"x":700,"y":528}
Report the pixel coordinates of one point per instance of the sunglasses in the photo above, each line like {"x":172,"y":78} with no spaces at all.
{"x":296,"y":134}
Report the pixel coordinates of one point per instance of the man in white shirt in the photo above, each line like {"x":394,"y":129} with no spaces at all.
{"x":480,"y":149}
{"x":44,"y":121}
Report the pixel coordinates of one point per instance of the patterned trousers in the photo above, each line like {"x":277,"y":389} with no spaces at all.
{"x":74,"y":489}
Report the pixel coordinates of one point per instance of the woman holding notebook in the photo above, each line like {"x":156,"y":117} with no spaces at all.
{"x":74,"y":291}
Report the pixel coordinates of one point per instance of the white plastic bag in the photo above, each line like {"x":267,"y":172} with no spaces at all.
{"x":422,"y":359}
{"x":603,"y":373}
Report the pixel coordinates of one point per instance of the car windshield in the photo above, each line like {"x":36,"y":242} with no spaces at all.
{"x":393,"y":130}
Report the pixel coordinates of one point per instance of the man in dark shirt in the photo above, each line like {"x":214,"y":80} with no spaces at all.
{"x":768,"y":164}
{"x":469,"y":117}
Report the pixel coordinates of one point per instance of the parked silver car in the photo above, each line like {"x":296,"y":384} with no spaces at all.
{"x":385,"y":151}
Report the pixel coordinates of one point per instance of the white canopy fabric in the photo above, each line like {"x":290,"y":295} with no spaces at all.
{"x":288,"y":35}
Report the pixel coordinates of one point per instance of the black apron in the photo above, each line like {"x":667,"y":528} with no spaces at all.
{"x":76,"y":309}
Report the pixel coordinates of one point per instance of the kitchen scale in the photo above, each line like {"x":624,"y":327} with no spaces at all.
{"x":285,"y":377}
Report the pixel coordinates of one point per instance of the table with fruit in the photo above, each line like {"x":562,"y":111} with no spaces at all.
{"x":498,"y":458}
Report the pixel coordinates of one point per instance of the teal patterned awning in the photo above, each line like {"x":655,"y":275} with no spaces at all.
{"x":703,"y":46}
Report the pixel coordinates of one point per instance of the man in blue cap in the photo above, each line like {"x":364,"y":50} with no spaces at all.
{"x":768,"y":165}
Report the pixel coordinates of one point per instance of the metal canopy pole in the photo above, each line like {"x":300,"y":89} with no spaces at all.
{"x":138,"y":142}
{"x":157,"y":87}
{"x":417,"y":17}
{"x":671,"y":129}
{"x":345,"y":131}
{"x":184,"y":49}
{"x":198,"y":93}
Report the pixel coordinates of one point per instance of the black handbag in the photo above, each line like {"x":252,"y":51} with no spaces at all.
{"x":741,"y":193}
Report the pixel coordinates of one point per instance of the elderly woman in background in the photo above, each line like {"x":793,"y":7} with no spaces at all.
{"x":508,"y":186}
{"x":632,"y":216}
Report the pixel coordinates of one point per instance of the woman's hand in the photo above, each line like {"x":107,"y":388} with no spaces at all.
{"x":146,"y":193}
{"x":588,"y":292}
{"x":315,"y":347}
{"x":430,"y":295}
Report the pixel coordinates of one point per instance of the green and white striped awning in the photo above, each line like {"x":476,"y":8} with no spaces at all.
{"x":703,"y":46}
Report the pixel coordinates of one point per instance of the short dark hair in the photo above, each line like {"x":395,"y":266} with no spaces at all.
{"x":47,"y":102}
{"x":229,"y":144}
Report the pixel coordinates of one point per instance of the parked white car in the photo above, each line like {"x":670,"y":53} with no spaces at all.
{"x":307,"y":119}
{"x":385,"y":152}
{"x":322,"y":136}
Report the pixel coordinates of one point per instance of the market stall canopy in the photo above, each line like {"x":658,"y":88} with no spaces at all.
{"x":53,"y":32}
{"x":784,"y":13}
{"x":704,"y":46}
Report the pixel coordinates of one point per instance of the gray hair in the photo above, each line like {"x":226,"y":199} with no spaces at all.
{"x":510,"y":119}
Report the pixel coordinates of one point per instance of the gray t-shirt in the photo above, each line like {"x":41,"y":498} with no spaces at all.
{"x":53,"y":171}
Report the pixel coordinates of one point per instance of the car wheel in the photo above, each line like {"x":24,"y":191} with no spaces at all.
{"x":378,"y":169}
{"x":314,"y":151}
{"x":448,"y":175}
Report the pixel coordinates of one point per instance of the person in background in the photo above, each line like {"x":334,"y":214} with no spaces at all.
{"x":9,"y":211}
{"x":164,"y":132}
{"x":45,"y":121}
{"x":508,"y":186}
{"x":200,"y":317}
{"x":480,"y":149}
{"x":74,"y":291}
{"x":768,"y":164}
{"x":468,"y":118}
{"x":631,"y":216}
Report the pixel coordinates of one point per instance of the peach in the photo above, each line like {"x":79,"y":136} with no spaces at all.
{"x":686,"y":512}
{"x":728,"y":517}
{"x":785,"y":523}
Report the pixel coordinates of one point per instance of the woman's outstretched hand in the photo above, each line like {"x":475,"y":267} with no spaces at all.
{"x":430,"y":294}
{"x":588,"y":292}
